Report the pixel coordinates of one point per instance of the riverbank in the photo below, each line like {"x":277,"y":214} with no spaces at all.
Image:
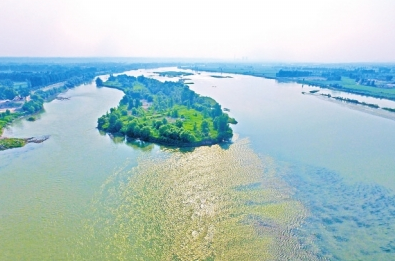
{"x":306,"y":75}
{"x":7,"y":118}
{"x":380,"y":112}
{"x":11,"y":143}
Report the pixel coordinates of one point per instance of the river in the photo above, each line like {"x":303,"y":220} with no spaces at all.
{"x":304,"y":179}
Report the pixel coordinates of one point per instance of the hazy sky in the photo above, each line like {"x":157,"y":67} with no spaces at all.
{"x":265,"y":30}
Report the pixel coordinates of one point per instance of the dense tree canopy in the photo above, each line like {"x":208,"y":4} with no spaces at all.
{"x":165,"y":112}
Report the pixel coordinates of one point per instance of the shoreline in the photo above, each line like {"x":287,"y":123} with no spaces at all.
{"x":380,"y":112}
{"x":169,"y":144}
{"x":358,"y":107}
{"x":302,"y":82}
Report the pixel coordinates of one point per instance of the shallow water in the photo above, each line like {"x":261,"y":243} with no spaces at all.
{"x":305,"y":179}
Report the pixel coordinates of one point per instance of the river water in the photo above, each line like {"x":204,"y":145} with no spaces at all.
{"x":304,"y":179}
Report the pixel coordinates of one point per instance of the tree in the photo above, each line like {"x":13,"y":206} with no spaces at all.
{"x":179,"y":123}
{"x":174,"y":113}
{"x":145,"y":133}
{"x":216,"y":110}
{"x":101,"y":121}
{"x":204,"y":126}
{"x":99,"y":82}
{"x":125,"y":100}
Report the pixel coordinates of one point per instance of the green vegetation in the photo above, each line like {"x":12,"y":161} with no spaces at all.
{"x":220,"y":76}
{"x":35,"y":104}
{"x":6,"y":118}
{"x":349,"y":85}
{"x":10,"y":143}
{"x":99,"y":82}
{"x":173,"y":74}
{"x":356,"y":102}
{"x":252,"y":69}
{"x":165,"y":113}
{"x":372,"y":80}
{"x":389,"y":109}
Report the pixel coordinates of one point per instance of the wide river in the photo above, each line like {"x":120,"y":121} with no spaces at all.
{"x":305,"y":178}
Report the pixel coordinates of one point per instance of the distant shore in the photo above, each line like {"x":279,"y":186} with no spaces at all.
{"x":358,"y":107}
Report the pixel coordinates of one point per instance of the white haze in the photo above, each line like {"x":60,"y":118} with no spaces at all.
{"x":274,"y":30}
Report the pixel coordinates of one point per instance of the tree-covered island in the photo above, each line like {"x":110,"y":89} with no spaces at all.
{"x":166,"y":113}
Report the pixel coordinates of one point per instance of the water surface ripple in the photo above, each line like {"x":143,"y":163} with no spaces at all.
{"x":210,"y":203}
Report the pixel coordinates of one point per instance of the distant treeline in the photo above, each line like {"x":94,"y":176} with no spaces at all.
{"x":23,"y":79}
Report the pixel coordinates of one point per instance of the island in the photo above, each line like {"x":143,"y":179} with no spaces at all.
{"x":167,"y":113}
{"x":172,"y":74}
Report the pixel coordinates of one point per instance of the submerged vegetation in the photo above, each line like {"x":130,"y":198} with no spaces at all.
{"x":165,"y":113}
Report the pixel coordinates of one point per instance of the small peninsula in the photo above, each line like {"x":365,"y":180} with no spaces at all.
{"x":172,"y":74}
{"x":166,"y":113}
{"x":9,"y":143}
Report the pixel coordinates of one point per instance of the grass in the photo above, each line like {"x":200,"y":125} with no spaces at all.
{"x":10,"y":143}
{"x":190,"y":118}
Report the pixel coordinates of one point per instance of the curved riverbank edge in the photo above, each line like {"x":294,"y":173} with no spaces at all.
{"x":153,"y":140}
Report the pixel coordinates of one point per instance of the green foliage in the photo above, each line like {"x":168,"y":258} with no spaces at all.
{"x":6,"y":118}
{"x":10,"y":143}
{"x":173,"y":73}
{"x":99,"y":82}
{"x":389,"y":109}
{"x":36,"y":104}
{"x":170,"y":115}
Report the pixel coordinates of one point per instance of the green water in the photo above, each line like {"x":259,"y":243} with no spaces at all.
{"x":304,"y":179}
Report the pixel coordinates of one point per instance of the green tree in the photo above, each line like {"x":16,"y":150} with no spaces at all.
{"x":99,"y":82}
{"x":145,"y":133}
{"x":204,"y":126}
{"x":179,"y":123}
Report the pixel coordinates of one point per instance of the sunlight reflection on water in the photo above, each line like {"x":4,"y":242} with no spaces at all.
{"x":210,"y":203}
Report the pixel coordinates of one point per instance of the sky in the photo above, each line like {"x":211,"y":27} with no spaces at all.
{"x":249,"y":30}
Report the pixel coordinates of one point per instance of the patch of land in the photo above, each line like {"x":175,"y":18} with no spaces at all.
{"x":11,"y":143}
{"x":373,"y":109}
{"x":171,"y":74}
{"x":220,"y":76}
{"x":166,"y":113}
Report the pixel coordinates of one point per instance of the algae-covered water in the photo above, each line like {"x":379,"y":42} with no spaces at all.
{"x":303,"y":179}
